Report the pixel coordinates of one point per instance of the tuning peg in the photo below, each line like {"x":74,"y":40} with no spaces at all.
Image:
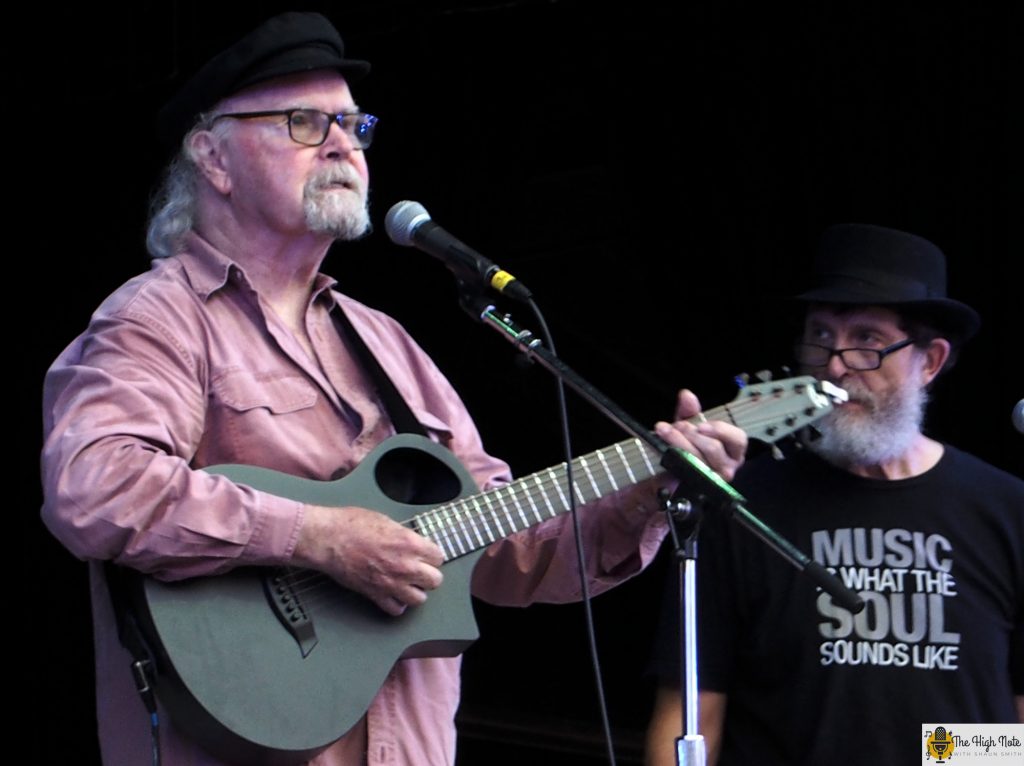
{"x":741,"y":380}
{"x":764,"y":375}
{"x":777,"y":453}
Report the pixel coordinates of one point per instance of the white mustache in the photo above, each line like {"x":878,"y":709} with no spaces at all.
{"x":337,"y":174}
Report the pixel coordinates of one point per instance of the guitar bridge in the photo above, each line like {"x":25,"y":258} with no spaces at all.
{"x":283,"y":595}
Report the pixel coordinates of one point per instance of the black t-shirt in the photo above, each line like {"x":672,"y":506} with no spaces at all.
{"x":939,"y":559}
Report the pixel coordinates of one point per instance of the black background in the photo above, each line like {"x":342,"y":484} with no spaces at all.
{"x":657,"y":175}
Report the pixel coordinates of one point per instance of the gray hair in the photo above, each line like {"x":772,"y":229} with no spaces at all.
{"x":173,"y":206}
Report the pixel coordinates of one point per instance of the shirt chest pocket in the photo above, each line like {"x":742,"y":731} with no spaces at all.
{"x":242,"y":391}
{"x":266,"y":418}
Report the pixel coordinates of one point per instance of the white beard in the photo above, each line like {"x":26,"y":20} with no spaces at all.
{"x":881,"y":432}
{"x":341,"y":213}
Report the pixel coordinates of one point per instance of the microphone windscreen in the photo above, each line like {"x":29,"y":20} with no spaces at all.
{"x":402,"y":220}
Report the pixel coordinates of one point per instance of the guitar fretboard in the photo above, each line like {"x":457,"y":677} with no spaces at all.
{"x":472,"y":523}
{"x":766,"y":411}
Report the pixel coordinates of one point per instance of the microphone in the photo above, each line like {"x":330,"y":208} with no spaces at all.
{"x":1018,"y":416}
{"x":409,"y":224}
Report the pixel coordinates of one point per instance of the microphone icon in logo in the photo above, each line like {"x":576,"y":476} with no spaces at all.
{"x":939,"y":744}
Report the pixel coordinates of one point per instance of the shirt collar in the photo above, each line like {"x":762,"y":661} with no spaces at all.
{"x":208,"y":269}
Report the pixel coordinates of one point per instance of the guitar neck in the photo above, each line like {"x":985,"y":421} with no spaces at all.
{"x":767,"y":412}
{"x":471,"y":523}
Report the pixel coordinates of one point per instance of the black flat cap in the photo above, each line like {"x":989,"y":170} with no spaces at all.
{"x":285,"y":44}
{"x":861,"y":264}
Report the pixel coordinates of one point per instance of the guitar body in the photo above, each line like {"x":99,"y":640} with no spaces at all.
{"x":246,"y":688}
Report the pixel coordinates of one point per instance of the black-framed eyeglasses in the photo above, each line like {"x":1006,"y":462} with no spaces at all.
{"x":311,"y":126}
{"x":860,"y":359}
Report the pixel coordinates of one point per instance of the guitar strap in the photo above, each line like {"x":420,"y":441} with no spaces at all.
{"x":394,"y":405}
{"x":130,"y":634}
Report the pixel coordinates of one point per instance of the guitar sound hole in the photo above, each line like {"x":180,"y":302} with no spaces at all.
{"x":415,"y":477}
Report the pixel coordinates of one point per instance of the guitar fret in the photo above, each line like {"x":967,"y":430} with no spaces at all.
{"x":557,"y":483}
{"x":533,"y":510}
{"x":608,"y":476}
{"x":425,"y":526}
{"x":523,"y":522}
{"x":452,"y":519}
{"x":578,"y":494}
{"x":486,"y":519}
{"x":626,"y":462}
{"x":590,"y":477}
{"x":450,"y":533}
{"x":501,"y":530}
{"x":547,"y":500}
{"x":651,"y":470}
{"x":533,"y":505}
{"x":577,"y":497}
{"x":472,"y":521}
{"x":440,"y":534}
{"x":514,"y":513}
{"x":465,"y":516}
{"x":497,"y":509}
{"x":514,"y":516}
{"x":608,"y":472}
{"x":510,"y":491}
{"x":491,"y":512}
{"x":421,"y":523}
{"x":450,"y":546}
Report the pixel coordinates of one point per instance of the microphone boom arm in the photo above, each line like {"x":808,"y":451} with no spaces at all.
{"x":691,"y":472}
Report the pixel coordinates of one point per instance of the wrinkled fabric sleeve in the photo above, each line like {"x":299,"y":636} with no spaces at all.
{"x":124,"y":412}
{"x":620,"y":536}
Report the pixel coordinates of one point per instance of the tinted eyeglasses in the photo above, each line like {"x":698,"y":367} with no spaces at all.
{"x":311,"y":126}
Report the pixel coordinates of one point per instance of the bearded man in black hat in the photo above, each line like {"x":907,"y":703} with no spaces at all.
{"x":235,"y":349}
{"x":932,"y":538}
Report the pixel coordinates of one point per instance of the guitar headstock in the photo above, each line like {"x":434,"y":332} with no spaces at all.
{"x":773,"y":409}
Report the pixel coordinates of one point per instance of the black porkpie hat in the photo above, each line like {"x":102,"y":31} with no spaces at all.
{"x":861,"y":264}
{"x":285,"y":44}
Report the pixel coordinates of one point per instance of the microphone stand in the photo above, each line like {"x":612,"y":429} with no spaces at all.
{"x":704,"y":485}
{"x":684,"y":525}
{"x":696,"y":480}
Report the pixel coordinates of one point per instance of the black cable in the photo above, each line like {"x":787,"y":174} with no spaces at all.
{"x":154,"y":729}
{"x":581,"y":561}
{"x":142,"y":673}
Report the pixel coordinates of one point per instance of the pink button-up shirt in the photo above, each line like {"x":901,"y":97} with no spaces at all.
{"x":184,"y":367}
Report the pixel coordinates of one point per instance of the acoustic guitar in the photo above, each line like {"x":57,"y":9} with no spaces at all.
{"x":272,"y":665}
